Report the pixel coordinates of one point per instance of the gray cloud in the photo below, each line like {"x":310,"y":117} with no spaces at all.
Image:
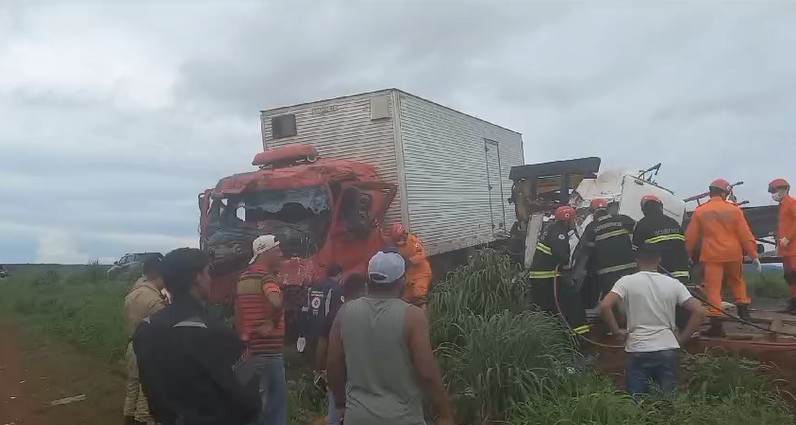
{"x":113,"y":116}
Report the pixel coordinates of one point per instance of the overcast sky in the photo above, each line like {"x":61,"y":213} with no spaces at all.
{"x":114,"y":116}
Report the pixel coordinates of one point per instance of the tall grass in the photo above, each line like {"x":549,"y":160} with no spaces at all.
{"x":505,"y":363}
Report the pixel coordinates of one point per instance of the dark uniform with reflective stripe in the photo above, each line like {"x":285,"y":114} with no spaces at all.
{"x":612,"y":253}
{"x":667,"y":235}
{"x":552,"y":251}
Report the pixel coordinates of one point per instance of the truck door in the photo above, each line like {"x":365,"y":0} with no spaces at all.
{"x":360,"y":209}
{"x":494,"y":181}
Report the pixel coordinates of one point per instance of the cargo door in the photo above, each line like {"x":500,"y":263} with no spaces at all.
{"x":497,"y":208}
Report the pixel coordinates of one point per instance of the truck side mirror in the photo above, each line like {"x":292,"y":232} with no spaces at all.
{"x":760,"y":248}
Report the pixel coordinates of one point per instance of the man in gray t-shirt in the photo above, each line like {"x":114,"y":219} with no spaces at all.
{"x":380,"y":359}
{"x":650,"y":300}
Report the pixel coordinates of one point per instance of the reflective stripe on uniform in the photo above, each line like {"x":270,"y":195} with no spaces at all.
{"x":542,"y":274}
{"x":544,"y":248}
{"x":620,"y":232}
{"x":617,"y":268}
{"x":661,"y":238}
{"x":684,"y":273}
{"x":580,"y":330}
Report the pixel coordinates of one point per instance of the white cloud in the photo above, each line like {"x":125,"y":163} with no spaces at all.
{"x":57,"y":247}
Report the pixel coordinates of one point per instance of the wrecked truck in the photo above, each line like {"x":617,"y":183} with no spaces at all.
{"x":333,"y":173}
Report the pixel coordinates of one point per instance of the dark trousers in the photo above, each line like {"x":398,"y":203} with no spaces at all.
{"x":568,"y":299}
{"x":659,"y":367}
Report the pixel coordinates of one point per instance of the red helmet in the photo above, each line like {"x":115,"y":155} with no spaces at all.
{"x":650,"y":198}
{"x":720,"y":184}
{"x":598,"y":203}
{"x":565,"y":213}
{"x":397,"y":231}
{"x":777,"y":184}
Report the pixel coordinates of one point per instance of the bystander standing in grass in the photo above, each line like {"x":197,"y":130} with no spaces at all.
{"x":143,"y":300}
{"x":186,"y":359}
{"x":652,"y":337}
{"x":380,"y":357}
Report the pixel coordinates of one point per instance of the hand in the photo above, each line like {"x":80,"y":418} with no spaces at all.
{"x":682,"y":338}
{"x":757,"y":264}
{"x":784,"y":242}
{"x":620,"y":334}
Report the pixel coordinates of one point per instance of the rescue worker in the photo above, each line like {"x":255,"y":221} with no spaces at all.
{"x":143,"y":300}
{"x":608,"y":235}
{"x":666,"y":234}
{"x":418,"y":272}
{"x":719,"y":230}
{"x":551,"y":257}
{"x":786,"y":234}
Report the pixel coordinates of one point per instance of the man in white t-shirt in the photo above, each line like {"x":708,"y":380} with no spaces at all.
{"x":650,"y":300}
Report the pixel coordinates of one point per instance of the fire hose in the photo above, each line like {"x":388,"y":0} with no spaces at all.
{"x":701,"y":299}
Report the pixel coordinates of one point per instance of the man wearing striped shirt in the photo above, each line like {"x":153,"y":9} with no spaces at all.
{"x":259,"y":320}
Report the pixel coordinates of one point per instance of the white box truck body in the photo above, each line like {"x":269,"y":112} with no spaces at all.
{"x":451,"y":168}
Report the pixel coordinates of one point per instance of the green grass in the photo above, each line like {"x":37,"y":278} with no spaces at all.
{"x":767,"y":284}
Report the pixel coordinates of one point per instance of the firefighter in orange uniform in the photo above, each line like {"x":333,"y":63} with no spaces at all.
{"x":786,"y":234}
{"x":720,"y":231}
{"x":418,"y":271}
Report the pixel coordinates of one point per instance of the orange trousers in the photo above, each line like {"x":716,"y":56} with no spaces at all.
{"x":714,"y":276}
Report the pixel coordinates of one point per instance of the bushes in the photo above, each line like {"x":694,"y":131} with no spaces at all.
{"x":504,"y":364}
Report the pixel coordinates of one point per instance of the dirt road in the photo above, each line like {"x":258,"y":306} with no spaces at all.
{"x":34,"y":371}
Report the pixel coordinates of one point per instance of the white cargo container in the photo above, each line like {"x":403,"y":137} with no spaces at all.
{"x":451,"y":168}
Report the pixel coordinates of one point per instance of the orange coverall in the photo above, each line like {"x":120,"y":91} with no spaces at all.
{"x":787,"y":229}
{"x":720,"y":231}
{"x":418,"y":274}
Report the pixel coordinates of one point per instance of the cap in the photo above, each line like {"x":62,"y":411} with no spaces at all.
{"x":263,"y":244}
{"x":386,"y":267}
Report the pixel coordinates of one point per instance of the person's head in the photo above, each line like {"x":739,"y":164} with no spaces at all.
{"x":719,"y":188}
{"x":778,"y":188}
{"x":398,"y":234}
{"x":334,"y":270}
{"x":565,"y":214}
{"x":266,"y":251}
{"x":151,"y":270}
{"x":386,"y":274}
{"x":186,"y":272}
{"x":648,"y":258}
{"x":354,"y":286}
{"x":651,"y":205}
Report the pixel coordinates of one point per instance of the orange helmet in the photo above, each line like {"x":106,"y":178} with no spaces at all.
{"x":397,"y":231}
{"x":720,"y":184}
{"x":598,"y":203}
{"x":777,"y":184}
{"x":565,"y":213}
{"x":650,"y":198}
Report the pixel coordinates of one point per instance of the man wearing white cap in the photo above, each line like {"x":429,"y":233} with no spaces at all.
{"x":259,"y":320}
{"x":380,"y":358}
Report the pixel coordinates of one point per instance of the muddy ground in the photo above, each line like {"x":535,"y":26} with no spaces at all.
{"x":36,"y":370}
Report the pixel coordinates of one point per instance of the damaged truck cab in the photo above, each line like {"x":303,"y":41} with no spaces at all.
{"x":321,"y":210}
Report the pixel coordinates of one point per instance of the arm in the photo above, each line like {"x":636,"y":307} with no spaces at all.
{"x":420,"y":252}
{"x":693,"y":306}
{"x":628,"y":222}
{"x":692,"y":235}
{"x":607,"y":311}
{"x":745,"y":235}
{"x":425,"y":365}
{"x":335,"y":365}
{"x":274,"y":297}
{"x":640,"y":234}
{"x":559,"y":245}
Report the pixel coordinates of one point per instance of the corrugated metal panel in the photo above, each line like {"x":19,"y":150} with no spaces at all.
{"x":446,"y":174}
{"x":342,"y":128}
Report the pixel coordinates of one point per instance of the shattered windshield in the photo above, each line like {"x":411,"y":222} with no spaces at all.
{"x":298,"y":216}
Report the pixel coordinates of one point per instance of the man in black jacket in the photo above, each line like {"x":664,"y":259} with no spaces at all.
{"x":608,"y":237}
{"x":552,"y":256}
{"x":666,"y":235}
{"x":186,"y":360}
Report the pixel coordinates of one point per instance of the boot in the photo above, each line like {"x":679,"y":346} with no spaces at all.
{"x":716,"y":328}
{"x":743,"y":312}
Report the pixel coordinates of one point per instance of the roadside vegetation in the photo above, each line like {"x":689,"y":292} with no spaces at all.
{"x":502,"y":363}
